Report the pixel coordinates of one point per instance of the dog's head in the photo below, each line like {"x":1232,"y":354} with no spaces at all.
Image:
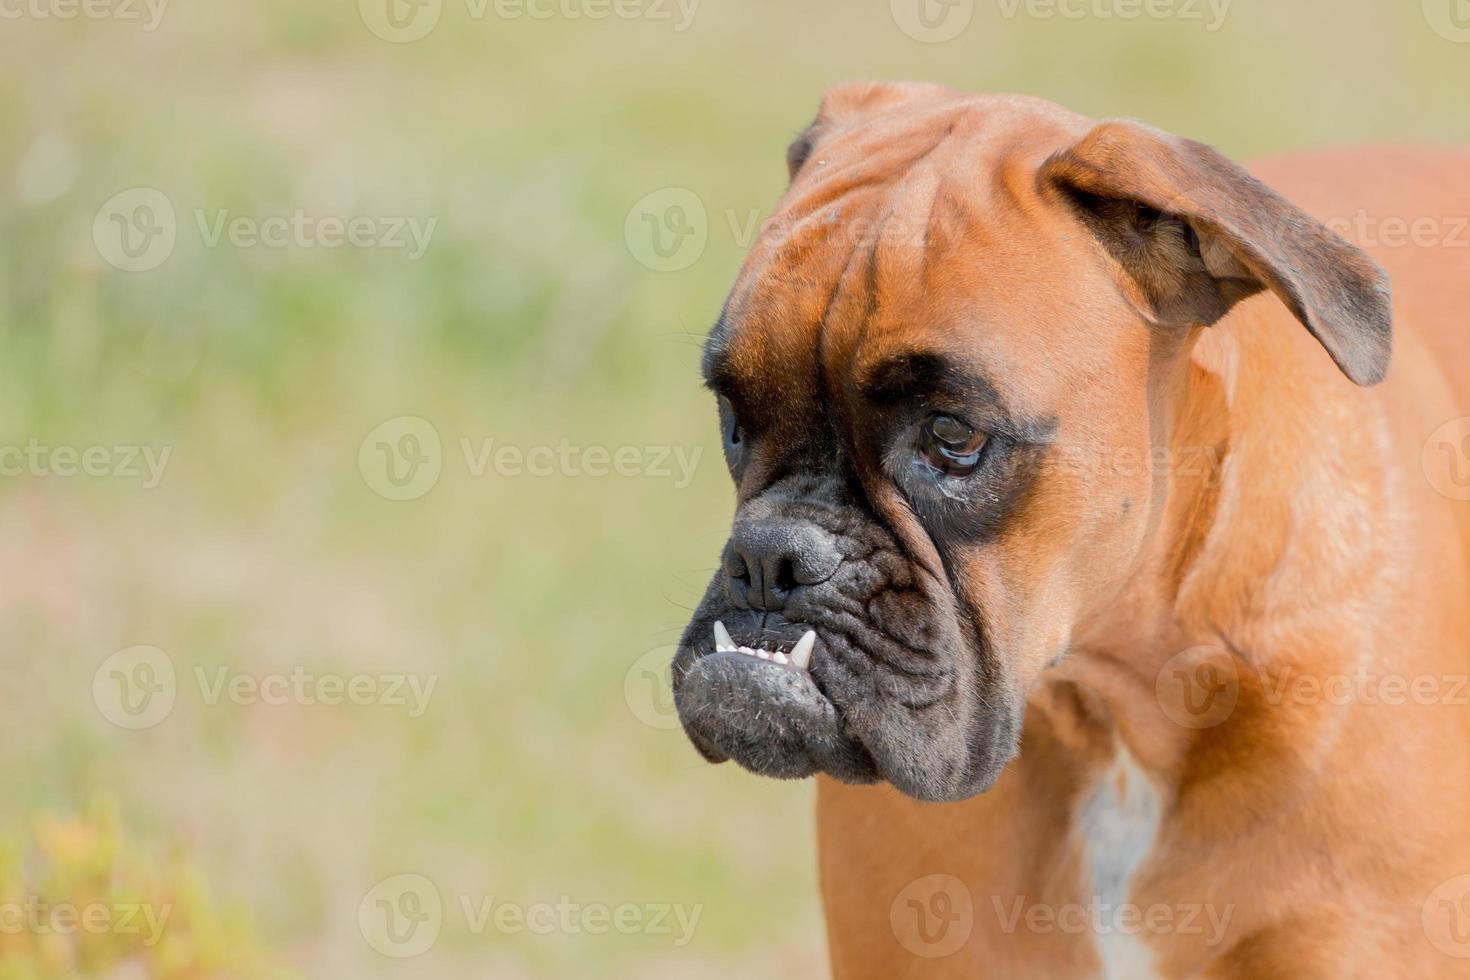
{"x":960,"y":301}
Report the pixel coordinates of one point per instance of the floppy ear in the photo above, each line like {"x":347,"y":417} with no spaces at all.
{"x":1197,"y":234}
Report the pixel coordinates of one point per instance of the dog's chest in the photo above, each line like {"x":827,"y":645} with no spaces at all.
{"x":1117,"y":825}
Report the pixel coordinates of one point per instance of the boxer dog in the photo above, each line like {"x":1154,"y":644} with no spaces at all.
{"x":1089,"y":551}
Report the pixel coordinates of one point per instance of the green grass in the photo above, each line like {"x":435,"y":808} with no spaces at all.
{"x":528,"y":321}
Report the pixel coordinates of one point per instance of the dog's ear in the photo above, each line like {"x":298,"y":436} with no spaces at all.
{"x":1196,"y":234}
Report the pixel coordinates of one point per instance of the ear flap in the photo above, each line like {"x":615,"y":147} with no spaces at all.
{"x":1197,"y":234}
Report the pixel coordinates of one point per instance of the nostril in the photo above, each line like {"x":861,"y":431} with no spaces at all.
{"x":785,"y":576}
{"x":735,"y":566}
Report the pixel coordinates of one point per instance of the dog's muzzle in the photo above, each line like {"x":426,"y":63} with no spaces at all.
{"x":819,"y":648}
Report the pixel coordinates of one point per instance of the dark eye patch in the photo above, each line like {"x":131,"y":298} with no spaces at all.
{"x":907,"y":392}
{"x":978,"y":507}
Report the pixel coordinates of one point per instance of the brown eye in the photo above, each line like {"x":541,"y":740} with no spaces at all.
{"x":734,"y":435}
{"x":951,"y":446}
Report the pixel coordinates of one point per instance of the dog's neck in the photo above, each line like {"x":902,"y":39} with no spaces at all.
{"x":1274,"y":532}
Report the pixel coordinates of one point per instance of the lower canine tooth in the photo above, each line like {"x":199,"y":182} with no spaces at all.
{"x":801,"y":654}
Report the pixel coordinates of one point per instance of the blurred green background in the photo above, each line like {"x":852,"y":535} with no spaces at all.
{"x":548,"y":145}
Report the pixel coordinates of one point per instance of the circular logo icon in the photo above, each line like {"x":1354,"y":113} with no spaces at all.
{"x":401,"y":916}
{"x":648,"y":688}
{"x":1450,"y":19}
{"x":135,"y":688}
{"x":667,"y":230}
{"x":933,"y":916}
{"x":1446,"y":459}
{"x":400,"y":21}
{"x":1197,"y":688}
{"x":1446,"y":917}
{"x":402,"y":458}
{"x":932,"y":21}
{"x":135,"y":230}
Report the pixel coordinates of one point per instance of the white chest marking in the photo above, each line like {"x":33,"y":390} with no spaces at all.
{"x":1118,"y":823}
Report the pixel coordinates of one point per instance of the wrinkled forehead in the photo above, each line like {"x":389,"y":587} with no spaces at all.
{"x":918,"y":237}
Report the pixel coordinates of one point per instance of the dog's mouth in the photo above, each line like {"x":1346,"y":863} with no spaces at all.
{"x":799,"y":657}
{"x":793,"y":698}
{"x":751,"y":692}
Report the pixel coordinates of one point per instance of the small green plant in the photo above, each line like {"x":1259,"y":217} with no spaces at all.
{"x":80,"y":900}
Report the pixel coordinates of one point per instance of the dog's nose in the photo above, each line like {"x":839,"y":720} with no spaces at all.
{"x":767,"y":560}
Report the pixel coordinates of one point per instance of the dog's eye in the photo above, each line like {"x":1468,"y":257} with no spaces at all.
{"x":734,"y":435}
{"x":952,"y":447}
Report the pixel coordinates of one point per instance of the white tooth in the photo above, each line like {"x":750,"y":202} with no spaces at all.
{"x":801,"y":654}
{"x":722,"y":638}
{"x":763,"y":654}
{"x":747,"y":651}
{"x":780,"y":658}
